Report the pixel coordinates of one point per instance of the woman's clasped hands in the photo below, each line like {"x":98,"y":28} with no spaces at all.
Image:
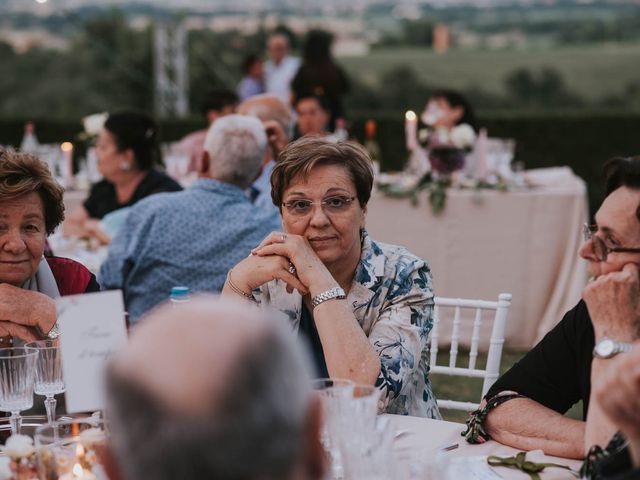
{"x":285,"y":257}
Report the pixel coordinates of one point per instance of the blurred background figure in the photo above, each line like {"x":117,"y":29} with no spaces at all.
{"x":252,"y":82}
{"x":128,"y":158}
{"x":320,"y":74}
{"x":281,"y":67}
{"x":448,"y":108}
{"x":170,"y":420}
{"x":217,"y":103}
{"x":313,"y":112}
{"x":276,"y":119}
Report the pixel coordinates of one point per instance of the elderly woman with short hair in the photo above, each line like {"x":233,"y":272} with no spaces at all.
{"x":365,"y":307}
{"x":32,"y":208}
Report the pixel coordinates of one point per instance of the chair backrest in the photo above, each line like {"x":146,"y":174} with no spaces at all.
{"x":492,"y":371}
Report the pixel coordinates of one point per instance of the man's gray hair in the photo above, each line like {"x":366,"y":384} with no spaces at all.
{"x":236,"y":145}
{"x":254,"y":429}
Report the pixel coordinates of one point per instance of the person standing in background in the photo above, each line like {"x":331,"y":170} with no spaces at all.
{"x":281,"y":68}
{"x":321,"y":75}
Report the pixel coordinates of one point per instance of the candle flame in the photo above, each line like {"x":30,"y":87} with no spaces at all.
{"x":66,"y":147}
{"x":410,"y":115}
{"x":77,"y":470}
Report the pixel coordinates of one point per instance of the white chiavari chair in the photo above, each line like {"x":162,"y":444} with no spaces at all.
{"x":490,"y":373}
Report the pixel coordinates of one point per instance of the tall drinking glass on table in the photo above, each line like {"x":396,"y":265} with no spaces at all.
{"x":17,"y":377}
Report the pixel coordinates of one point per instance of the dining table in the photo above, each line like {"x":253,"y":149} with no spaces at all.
{"x":522,"y":241}
{"x":427,"y":449}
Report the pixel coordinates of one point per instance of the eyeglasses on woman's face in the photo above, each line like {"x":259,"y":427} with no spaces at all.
{"x":335,"y":205}
{"x":600,"y":249}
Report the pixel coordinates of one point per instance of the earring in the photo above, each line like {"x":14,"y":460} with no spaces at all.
{"x":125,"y":166}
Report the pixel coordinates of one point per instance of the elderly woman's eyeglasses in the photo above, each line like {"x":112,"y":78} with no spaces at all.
{"x":330,"y":206}
{"x":600,"y":248}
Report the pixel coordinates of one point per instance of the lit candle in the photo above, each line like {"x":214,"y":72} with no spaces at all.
{"x":78,"y":473}
{"x":411,"y":130}
{"x":67,"y":172}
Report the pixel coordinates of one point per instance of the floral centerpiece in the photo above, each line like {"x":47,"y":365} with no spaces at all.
{"x":92,"y":125}
{"x":437,"y":157}
{"x":86,"y":139}
{"x":447,"y":149}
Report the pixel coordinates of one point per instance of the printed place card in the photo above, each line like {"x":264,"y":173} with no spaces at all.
{"x":92,"y":327}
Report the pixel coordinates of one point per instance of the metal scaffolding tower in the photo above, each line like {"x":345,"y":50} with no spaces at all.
{"x":170,"y":68}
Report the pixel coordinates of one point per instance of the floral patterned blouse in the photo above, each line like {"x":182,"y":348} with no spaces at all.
{"x":392,"y":299}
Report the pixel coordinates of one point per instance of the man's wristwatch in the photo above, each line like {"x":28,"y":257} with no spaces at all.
{"x":607,"y":348}
{"x":335,"y":292}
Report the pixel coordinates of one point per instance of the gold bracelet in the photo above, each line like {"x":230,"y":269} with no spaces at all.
{"x":236,"y":289}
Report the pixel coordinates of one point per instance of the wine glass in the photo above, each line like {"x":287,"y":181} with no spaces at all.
{"x":49,"y":381}
{"x":17,"y":376}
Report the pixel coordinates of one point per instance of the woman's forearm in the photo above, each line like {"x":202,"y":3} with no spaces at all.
{"x":347,"y":350}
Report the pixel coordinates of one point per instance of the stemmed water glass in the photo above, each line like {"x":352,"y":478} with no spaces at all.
{"x":49,"y":381}
{"x":17,"y":376}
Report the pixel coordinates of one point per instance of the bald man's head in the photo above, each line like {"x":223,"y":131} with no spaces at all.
{"x":201,"y":388}
{"x":268,"y":108}
{"x":164,"y":349}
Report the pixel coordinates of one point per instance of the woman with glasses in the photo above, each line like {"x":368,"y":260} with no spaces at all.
{"x":365,"y":308}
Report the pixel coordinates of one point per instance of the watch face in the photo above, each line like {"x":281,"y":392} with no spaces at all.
{"x":606,"y":348}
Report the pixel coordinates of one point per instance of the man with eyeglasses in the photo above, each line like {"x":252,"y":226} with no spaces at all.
{"x":525,"y":407}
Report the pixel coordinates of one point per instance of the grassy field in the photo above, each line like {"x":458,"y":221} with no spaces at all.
{"x":469,"y":389}
{"x":590,"y":71}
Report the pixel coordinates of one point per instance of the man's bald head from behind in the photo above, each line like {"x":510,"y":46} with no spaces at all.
{"x":212,"y":389}
{"x":268,"y":108}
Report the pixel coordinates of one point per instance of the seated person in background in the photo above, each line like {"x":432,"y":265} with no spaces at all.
{"x":448,"y":108}
{"x":313,"y":114}
{"x":276,"y":118}
{"x":171,"y":418}
{"x":31,"y":208}
{"x":252,"y":82}
{"x":193,"y":237}
{"x":378,"y":333}
{"x":559,"y":370}
{"x":217,"y":103}
{"x":128,"y":152}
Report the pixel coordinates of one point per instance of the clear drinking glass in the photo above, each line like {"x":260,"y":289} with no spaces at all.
{"x":366,"y":443}
{"x":335,"y":395}
{"x":17,"y":376}
{"x":71,"y":449}
{"x":49,"y":381}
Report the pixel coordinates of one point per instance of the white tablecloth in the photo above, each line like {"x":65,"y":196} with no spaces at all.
{"x":422,"y":438}
{"x":484,"y":243}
